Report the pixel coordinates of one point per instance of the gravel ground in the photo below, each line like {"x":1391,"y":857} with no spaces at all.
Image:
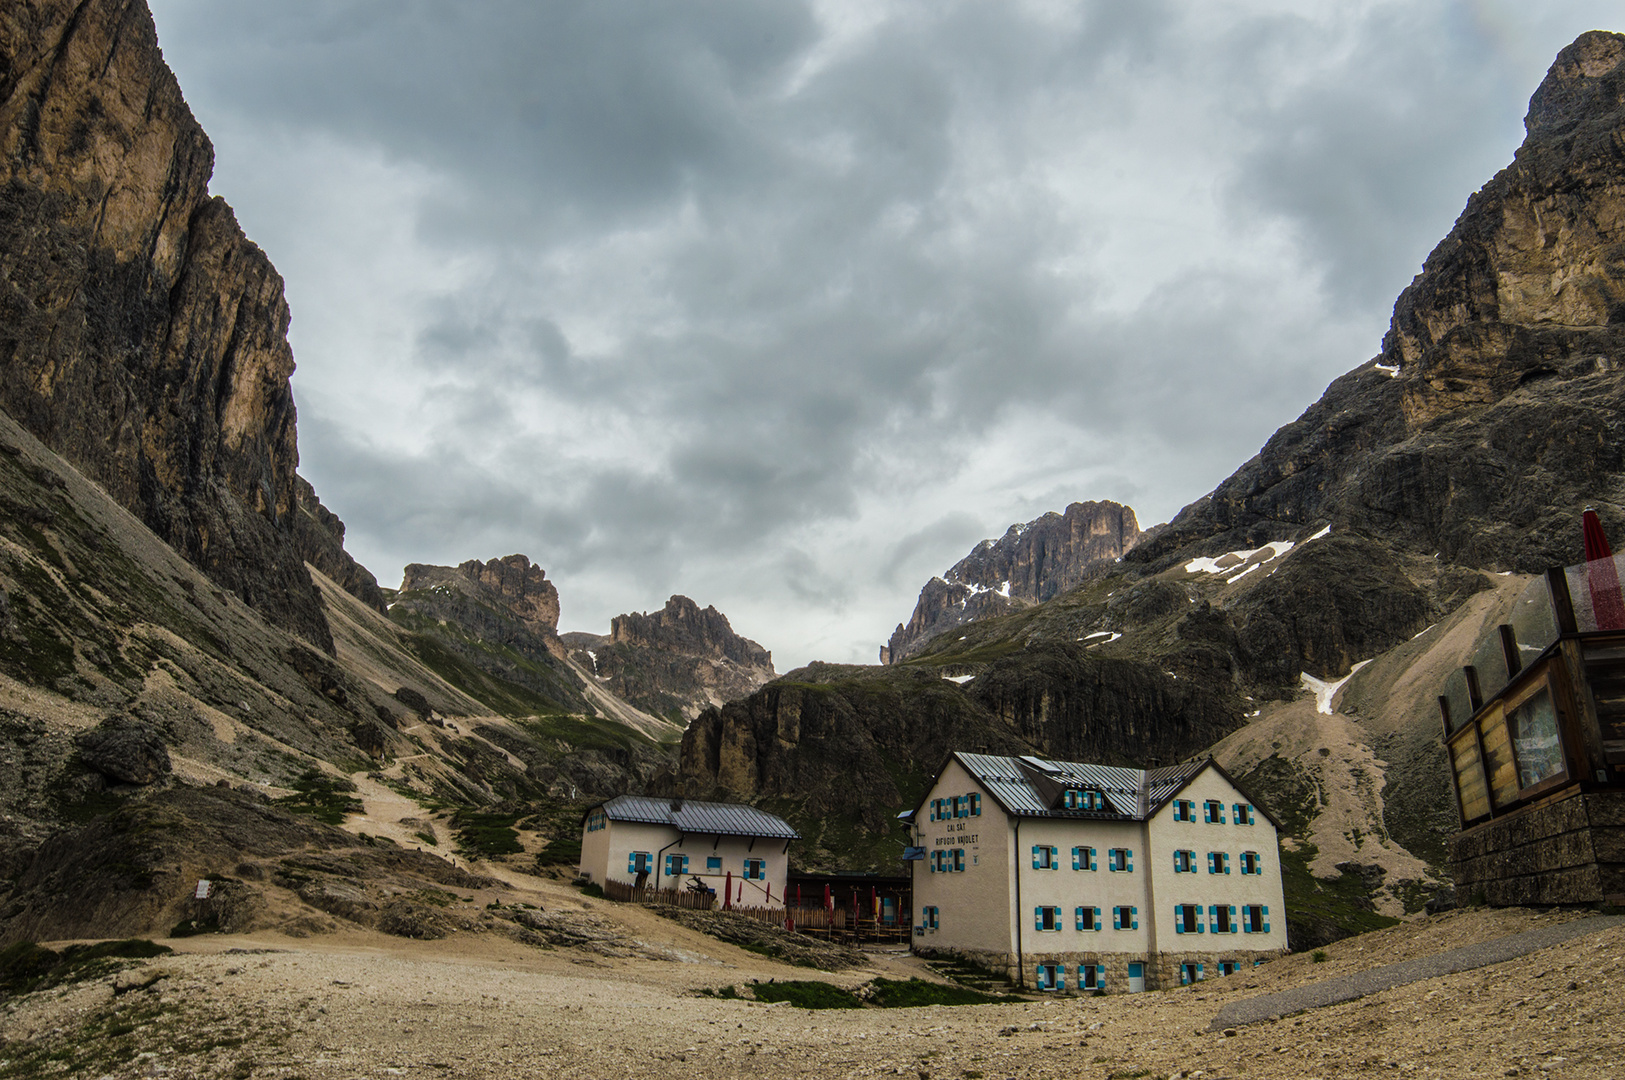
{"x":356,"y":1005}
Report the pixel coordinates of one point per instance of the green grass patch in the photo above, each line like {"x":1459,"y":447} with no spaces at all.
{"x":486,"y":833}
{"x":913,"y":993}
{"x":1314,"y":903}
{"x":727,"y":993}
{"x":328,"y":799}
{"x":26,"y":967}
{"x":585,"y":732}
{"x":808,"y":994}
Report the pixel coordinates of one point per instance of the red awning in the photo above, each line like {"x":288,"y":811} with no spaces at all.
{"x":1602,"y":576}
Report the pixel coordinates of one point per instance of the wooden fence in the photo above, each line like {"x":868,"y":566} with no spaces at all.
{"x":818,"y":921}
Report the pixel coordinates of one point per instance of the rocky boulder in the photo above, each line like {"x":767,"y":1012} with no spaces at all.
{"x":125,"y":749}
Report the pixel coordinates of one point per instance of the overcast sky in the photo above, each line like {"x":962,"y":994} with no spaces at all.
{"x":784,"y":306}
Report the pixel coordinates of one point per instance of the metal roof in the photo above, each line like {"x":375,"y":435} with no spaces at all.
{"x":1132,"y":794}
{"x":692,"y":816}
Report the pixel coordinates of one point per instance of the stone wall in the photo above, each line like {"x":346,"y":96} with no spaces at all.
{"x":1161,"y":969}
{"x":1567,"y":852}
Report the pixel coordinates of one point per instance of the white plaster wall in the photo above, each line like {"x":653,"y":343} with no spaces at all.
{"x":974,"y":903}
{"x":626,"y":837}
{"x":733,"y":851}
{"x":594,"y":852}
{"x":1067,"y":888}
{"x":1168,"y":888}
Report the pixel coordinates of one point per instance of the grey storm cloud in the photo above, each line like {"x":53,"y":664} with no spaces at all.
{"x":787,"y":305}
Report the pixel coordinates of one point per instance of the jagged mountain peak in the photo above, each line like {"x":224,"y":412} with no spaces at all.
{"x":1031,"y":563}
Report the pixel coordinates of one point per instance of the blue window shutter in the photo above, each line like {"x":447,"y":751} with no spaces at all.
{"x":1038,"y":918}
{"x":1134,"y":918}
{"x":1226,"y":859}
{"x":1060,"y":978}
{"x":1129,"y":860}
{"x":1232,"y":918}
{"x":1199,"y":926}
{"x":1077,"y":915}
{"x":1035,"y":856}
{"x":1246,"y":923}
{"x":1266,"y":919}
{"x":1198,"y":971}
{"x":1179,"y":918}
{"x":1075,"y":858}
{"x":1092,"y":864}
{"x":1117,"y":918}
{"x":1097,"y":918}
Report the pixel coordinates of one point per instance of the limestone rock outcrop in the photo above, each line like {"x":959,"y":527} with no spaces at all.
{"x":142,"y":336}
{"x":1490,"y":418}
{"x":1028,"y":565}
{"x":519,"y":588}
{"x":501,"y":616}
{"x":674,"y":662}
{"x":125,"y":749}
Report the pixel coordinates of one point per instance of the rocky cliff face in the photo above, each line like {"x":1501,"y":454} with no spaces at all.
{"x":1029,"y":564}
{"x":1491,"y":417}
{"x":319,"y":536}
{"x":141,"y":335}
{"x":512,"y":585}
{"x":674,"y":662}
{"x":501,"y":617}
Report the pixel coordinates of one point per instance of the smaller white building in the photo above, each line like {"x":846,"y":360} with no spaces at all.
{"x":667,"y":843}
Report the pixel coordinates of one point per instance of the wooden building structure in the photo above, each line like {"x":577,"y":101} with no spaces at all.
{"x":1534,"y":729}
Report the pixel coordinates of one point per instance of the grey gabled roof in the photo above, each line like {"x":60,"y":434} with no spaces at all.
{"x":1132,"y":794}
{"x":691,"y":816}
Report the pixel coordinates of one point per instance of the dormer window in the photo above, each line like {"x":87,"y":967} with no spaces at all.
{"x":1074,"y":799}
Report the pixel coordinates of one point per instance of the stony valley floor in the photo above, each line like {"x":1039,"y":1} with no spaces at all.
{"x":353,"y":1005}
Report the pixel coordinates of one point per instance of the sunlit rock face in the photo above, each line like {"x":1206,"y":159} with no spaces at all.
{"x":1029,"y":564}
{"x":141,"y":335}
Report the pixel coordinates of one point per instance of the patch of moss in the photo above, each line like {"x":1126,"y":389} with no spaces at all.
{"x":326,"y":798}
{"x":26,"y":967}
{"x":1319,"y":910}
{"x":809,"y":994}
{"x":913,"y":993}
{"x":486,"y":833}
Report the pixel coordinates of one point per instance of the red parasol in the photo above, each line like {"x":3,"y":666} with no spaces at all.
{"x":728,"y":891}
{"x":1602,"y":576}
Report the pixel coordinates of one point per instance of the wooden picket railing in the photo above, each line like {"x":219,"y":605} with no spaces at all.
{"x":819,"y":921}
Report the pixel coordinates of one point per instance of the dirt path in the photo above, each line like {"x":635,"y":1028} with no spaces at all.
{"x":1318,"y":995}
